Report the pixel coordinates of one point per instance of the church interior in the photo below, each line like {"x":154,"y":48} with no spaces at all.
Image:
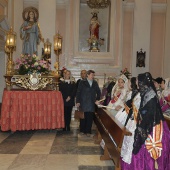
{"x":107,"y":36}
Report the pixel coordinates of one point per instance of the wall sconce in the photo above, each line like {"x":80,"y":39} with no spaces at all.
{"x":47,"y":50}
{"x":57,"y":50}
{"x":10,"y":46}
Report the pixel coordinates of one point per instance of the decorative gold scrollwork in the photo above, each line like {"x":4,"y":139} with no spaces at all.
{"x":32,"y":81}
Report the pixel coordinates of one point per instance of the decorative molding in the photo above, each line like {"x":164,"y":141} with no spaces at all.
{"x":128,"y":6}
{"x":93,"y":57}
{"x":62,"y":2}
{"x":75,"y":60}
{"x":159,"y":7}
{"x":28,"y":3}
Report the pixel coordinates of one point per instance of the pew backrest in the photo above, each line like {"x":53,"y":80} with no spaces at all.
{"x":112,"y":132}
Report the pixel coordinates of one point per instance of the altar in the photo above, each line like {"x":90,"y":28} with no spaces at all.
{"x":31,"y":110}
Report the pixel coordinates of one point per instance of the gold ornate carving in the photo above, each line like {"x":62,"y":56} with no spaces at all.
{"x":33,"y":81}
{"x":10,"y":67}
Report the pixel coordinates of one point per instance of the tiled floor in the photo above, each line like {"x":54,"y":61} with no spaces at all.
{"x":50,"y":150}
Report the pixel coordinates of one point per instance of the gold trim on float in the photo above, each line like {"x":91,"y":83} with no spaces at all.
{"x":34,"y":81}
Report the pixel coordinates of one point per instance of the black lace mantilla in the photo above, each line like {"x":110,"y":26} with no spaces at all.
{"x":129,"y":104}
{"x":149,"y":115}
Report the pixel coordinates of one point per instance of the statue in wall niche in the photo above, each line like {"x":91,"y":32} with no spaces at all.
{"x":94,"y":40}
{"x":94,"y":26}
{"x":30,"y":31}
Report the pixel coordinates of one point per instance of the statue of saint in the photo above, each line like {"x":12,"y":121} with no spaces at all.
{"x":94,"y":27}
{"x":94,"y":39}
{"x":30,"y":31}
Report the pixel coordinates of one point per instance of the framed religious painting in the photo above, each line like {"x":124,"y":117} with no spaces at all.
{"x":140,"y":59}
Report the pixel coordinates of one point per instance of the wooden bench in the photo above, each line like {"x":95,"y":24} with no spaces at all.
{"x":112,"y":132}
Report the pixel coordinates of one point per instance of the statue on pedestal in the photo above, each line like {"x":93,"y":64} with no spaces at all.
{"x":30,"y":31}
{"x":94,"y":40}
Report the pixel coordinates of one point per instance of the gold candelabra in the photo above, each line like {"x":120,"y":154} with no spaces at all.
{"x":47,"y":51}
{"x":10,"y":46}
{"x":57,"y":50}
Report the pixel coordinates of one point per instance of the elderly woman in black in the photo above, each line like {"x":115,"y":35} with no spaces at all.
{"x":68,"y":90}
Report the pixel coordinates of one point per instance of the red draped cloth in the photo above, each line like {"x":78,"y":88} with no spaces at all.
{"x":29,"y":110}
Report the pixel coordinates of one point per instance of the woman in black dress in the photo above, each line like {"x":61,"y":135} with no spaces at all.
{"x":68,"y":90}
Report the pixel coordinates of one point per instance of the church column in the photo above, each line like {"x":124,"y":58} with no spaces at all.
{"x":18,"y":20}
{"x":47,"y":21}
{"x":141,"y":33}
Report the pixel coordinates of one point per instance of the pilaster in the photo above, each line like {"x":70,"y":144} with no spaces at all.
{"x":18,"y":20}
{"x":141,"y":33}
{"x":47,"y":21}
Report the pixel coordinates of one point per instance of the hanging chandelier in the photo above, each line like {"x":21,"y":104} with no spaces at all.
{"x":98,"y":3}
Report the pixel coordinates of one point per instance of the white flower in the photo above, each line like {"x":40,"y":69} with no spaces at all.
{"x":37,"y":58}
{"x":34,"y":56}
{"x":36,"y":64}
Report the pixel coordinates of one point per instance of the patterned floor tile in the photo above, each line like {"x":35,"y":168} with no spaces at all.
{"x":29,"y":162}
{"x":69,"y":149}
{"x":6,"y":160}
{"x":15,"y":142}
{"x":93,"y":160}
{"x":51,"y":150}
{"x":89,"y":150}
{"x":96,"y":168}
{"x":90,"y":168}
{"x":61,"y":162}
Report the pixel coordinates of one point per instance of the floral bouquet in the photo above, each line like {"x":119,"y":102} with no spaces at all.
{"x":27,"y":64}
{"x":126,"y":73}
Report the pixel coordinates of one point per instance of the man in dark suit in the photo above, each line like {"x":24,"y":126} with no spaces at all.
{"x":88,"y":94}
{"x":83,"y":75}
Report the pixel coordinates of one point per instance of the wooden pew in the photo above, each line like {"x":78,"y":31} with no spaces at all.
{"x":112,"y":132}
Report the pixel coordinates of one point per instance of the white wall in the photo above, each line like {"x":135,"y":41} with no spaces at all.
{"x":17,"y":17}
{"x":47,"y":20}
{"x":141,"y":33}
